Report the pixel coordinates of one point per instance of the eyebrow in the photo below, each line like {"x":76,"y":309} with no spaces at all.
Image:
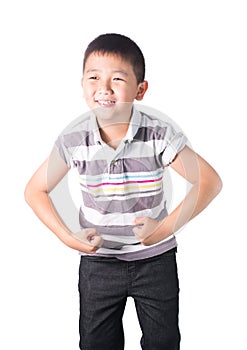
{"x":115,"y":71}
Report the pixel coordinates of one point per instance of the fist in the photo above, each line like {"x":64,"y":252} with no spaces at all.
{"x":90,"y":237}
{"x":144,"y":230}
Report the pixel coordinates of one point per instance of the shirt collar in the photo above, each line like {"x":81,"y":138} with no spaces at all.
{"x":94,"y":128}
{"x":135,"y":122}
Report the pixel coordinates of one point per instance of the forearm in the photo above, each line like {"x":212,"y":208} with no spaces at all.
{"x":206,"y":184}
{"x":44,"y":209}
{"x":43,"y":181}
{"x":197,"y":199}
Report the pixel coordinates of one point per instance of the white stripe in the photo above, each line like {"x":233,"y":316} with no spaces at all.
{"x":130,"y":248}
{"x":110,"y":189}
{"x":137,"y":150}
{"x":119,"y":219}
{"x":128,"y":176}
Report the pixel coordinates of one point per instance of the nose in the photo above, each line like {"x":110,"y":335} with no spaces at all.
{"x":105,"y":88}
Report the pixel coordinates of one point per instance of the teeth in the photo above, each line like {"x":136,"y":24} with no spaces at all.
{"x":106,"y":103}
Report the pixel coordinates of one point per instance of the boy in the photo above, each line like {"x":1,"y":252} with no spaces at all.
{"x":126,"y":242}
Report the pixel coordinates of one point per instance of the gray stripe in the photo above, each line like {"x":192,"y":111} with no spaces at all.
{"x":144,"y":134}
{"x":122,"y":206}
{"x":99,"y":167}
{"x":114,"y":229}
{"x":94,"y":167}
{"x":144,"y":164}
{"x":151,"y":133}
{"x":79,"y":138}
{"x":107,"y":230}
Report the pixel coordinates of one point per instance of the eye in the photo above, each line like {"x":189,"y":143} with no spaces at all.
{"x":118,"y":79}
{"x":93,"y":77}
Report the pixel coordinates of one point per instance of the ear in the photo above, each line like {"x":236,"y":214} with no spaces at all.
{"x":142,"y":88}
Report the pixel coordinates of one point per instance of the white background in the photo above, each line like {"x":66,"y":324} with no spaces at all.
{"x":196,"y":67}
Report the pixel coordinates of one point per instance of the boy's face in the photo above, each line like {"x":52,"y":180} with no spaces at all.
{"x":109,"y":81}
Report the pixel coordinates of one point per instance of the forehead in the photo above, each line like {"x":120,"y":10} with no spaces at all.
{"x":99,"y":60}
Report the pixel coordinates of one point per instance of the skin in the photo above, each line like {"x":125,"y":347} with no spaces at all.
{"x":110,"y":88}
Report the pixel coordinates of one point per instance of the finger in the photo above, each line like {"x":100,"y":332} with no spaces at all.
{"x":140,"y":221}
{"x":96,"y":241}
{"x":90,"y":235}
{"x":90,"y":232}
{"x":86,"y":235}
{"x":137,"y":230}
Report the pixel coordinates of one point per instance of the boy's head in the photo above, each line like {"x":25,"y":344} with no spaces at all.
{"x":113,"y":76}
{"x":121,"y":46}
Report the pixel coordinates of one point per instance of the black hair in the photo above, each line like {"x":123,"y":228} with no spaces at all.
{"x":121,"y":45}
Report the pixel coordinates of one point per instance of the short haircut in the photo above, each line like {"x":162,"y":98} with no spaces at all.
{"x":119,"y":45}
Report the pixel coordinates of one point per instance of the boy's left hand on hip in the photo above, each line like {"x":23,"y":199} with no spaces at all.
{"x":145,"y":228}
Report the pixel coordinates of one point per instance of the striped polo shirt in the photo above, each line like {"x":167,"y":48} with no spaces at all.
{"x":119,"y":185}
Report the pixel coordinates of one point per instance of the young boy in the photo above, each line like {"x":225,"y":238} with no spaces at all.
{"x":127,"y":241}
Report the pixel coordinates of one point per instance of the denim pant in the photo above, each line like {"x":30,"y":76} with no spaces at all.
{"x":105,"y":284}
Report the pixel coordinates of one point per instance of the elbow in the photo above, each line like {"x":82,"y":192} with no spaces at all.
{"x":212,"y":186}
{"x":28,"y":195}
{"x":217,"y":185}
{"x":33,"y":194}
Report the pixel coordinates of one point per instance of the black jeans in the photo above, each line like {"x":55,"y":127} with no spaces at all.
{"x":105,"y":284}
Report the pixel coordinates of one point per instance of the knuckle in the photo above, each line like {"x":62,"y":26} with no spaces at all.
{"x":92,"y":250}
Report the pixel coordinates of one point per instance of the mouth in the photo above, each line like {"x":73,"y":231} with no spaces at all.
{"x":106,"y":103}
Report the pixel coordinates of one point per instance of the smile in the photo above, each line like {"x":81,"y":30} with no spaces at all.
{"x":106,"y":103}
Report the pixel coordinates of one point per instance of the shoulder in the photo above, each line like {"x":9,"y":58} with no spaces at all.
{"x":151,"y":117}
{"x":80,"y":124}
{"x":156,"y":124}
{"x":78,"y":132}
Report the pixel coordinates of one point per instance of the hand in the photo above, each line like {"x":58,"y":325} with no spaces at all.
{"x":89,"y":240}
{"x":145,"y":229}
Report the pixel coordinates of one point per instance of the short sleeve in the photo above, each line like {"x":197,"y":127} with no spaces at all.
{"x":63,"y":150}
{"x":175,"y":141}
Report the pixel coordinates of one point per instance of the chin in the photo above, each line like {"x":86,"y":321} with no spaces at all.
{"x":105,"y":112}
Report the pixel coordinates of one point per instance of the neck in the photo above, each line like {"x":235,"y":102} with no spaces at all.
{"x":113,"y":134}
{"x":120,"y":114}
{"x":113,"y":124}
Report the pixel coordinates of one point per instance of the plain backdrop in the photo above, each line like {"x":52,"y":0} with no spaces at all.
{"x":196,"y":67}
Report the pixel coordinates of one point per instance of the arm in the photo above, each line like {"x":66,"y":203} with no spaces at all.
{"x":44,"y":180}
{"x":206,"y":184}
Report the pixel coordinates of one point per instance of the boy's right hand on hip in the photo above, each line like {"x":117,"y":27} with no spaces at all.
{"x":90,"y":240}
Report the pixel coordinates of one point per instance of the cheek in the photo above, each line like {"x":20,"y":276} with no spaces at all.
{"x":125,"y":93}
{"x":88,"y":98}
{"x":130,"y":94}
{"x":87,"y":91}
